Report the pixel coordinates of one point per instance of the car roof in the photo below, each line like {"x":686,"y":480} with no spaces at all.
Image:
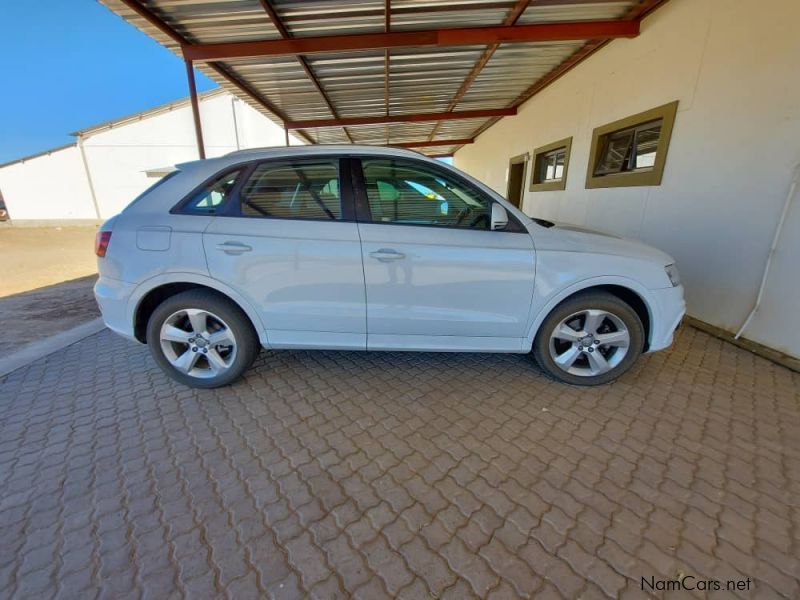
{"x":251,"y":154}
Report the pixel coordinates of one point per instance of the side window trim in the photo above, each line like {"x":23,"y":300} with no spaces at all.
{"x":364,"y":213}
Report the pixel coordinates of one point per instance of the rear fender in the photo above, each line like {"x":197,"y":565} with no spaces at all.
{"x":150,"y":284}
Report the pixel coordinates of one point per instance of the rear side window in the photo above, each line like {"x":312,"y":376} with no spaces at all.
{"x":210,"y":198}
{"x":293,"y":190}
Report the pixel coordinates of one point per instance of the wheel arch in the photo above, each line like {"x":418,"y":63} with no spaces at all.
{"x":627,"y":290}
{"x":153,"y":292}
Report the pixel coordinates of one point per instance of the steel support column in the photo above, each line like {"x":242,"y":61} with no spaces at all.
{"x":198,"y":127}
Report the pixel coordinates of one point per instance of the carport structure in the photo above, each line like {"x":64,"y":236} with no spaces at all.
{"x":429,"y":75}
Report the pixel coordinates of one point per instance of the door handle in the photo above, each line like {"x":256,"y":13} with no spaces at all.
{"x":387,"y":254}
{"x":234,"y":247}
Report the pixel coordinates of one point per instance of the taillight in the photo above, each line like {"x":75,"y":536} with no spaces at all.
{"x":101,"y":241}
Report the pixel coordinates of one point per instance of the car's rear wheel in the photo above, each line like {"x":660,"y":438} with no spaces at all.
{"x":589,"y":339}
{"x":201,"y":339}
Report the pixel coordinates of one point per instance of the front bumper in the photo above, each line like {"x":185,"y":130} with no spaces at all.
{"x":668,"y":311}
{"x":112,"y":296}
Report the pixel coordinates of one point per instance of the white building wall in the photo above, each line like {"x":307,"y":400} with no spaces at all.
{"x":119,"y":156}
{"x":733,"y":65}
{"x":50,"y":186}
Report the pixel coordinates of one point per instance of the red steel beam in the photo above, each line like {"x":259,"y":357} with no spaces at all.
{"x":154,"y":20}
{"x":411,"y":118}
{"x":642,"y":9}
{"x":387,"y":25}
{"x":511,"y":18}
{"x":635,"y":13}
{"x":538,"y":32}
{"x":429,"y":143}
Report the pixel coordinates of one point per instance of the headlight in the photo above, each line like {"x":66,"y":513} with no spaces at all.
{"x":672,"y":273}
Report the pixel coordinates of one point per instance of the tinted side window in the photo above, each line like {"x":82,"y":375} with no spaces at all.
{"x":410,"y":193}
{"x":212,"y":196}
{"x":296,"y":190}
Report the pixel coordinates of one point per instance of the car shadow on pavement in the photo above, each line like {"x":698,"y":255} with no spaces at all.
{"x":31,"y":316}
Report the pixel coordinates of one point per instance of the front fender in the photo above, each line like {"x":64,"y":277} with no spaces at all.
{"x":543,"y":308}
{"x":150,"y":284}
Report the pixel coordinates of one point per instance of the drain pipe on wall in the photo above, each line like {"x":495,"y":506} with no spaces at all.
{"x":774,"y":245}
{"x":235,"y":123}
{"x":89,"y":177}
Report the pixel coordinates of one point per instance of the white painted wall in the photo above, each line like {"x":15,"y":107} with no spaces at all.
{"x":733,"y":65}
{"x":55,"y":187}
{"x":49,"y":186}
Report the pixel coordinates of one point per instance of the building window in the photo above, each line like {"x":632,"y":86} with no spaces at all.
{"x":631,"y":151}
{"x":550,"y":164}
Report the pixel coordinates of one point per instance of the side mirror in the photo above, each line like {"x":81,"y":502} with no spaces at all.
{"x":499,"y":217}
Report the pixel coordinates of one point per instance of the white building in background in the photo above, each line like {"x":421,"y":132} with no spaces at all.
{"x":731,"y":180}
{"x":113,"y":162}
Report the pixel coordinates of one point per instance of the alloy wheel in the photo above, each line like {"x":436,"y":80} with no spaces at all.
{"x":589,"y":342}
{"x":198,"y":343}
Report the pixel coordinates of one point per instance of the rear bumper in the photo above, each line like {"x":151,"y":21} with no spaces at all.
{"x":667,"y":314}
{"x":112,"y":296}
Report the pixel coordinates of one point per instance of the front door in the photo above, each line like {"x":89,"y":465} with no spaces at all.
{"x":437,"y":276}
{"x":286,"y":246}
{"x":516,"y":180}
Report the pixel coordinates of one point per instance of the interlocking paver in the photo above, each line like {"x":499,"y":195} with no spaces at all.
{"x":337,"y":475}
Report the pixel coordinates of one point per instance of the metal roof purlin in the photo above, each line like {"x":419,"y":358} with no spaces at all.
{"x":634,"y":14}
{"x":430,"y":143}
{"x":159,"y":24}
{"x":275,"y":18}
{"x":404,"y":118}
{"x":386,"y":71}
{"x":512,"y":17}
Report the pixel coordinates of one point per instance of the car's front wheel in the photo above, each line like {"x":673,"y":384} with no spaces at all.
{"x":201,"y":339}
{"x":589,"y":339}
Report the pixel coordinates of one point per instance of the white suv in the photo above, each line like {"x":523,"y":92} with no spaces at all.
{"x":368,"y":248}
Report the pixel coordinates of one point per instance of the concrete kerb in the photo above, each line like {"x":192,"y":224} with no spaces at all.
{"x":41,"y":348}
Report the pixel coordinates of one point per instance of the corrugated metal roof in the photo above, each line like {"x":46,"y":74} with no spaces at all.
{"x":420,"y":80}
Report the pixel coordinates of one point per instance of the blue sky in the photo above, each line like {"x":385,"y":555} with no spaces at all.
{"x":68,"y":64}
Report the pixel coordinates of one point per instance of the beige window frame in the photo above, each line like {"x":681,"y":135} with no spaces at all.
{"x":548,"y":185}
{"x":643,"y":176}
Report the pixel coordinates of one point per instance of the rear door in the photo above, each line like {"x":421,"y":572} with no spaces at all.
{"x":288,"y":242}
{"x":437,"y":276}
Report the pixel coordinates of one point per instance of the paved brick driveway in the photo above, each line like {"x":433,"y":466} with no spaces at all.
{"x":416,"y":475}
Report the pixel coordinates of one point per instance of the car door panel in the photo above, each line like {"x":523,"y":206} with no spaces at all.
{"x":437,"y":276}
{"x":446,"y":282}
{"x":304,"y":275}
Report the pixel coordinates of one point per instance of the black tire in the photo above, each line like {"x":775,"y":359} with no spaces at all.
{"x":575,"y":304}
{"x":246,"y":341}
